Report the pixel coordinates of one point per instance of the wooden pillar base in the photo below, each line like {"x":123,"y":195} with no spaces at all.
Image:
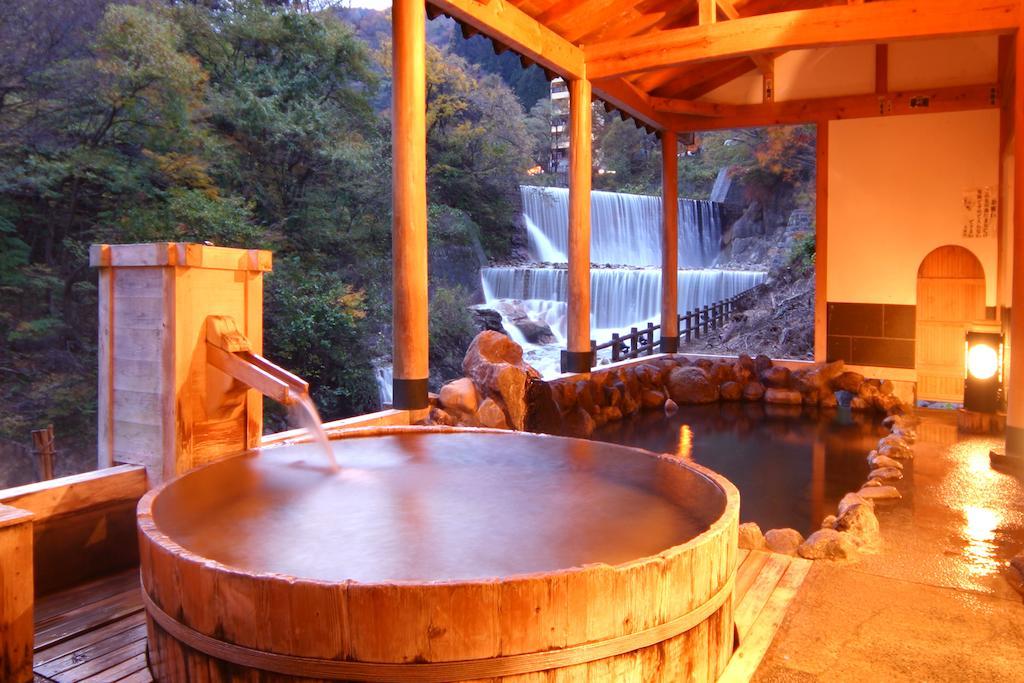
{"x":1015,"y":441}
{"x":974,"y":422}
{"x":669,"y":345}
{"x":409,"y":394}
{"x":16,"y":595}
{"x":577,"y":361}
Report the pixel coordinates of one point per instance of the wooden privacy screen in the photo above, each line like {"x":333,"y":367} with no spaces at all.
{"x":950,"y":295}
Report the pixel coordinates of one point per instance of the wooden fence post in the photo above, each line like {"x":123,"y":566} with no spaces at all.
{"x":632,"y":342}
{"x":650,"y":339}
{"x":42,"y":441}
{"x":615,"y":346}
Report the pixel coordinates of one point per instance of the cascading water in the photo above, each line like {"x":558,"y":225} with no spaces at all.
{"x":625,"y":228}
{"x":625,"y":231}
{"x":619,"y":297}
{"x":384,"y":374}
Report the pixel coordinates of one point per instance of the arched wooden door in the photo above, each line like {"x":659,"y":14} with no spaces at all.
{"x":950,"y":295}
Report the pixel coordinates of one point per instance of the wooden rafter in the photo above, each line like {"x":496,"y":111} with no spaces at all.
{"x":627,"y":97}
{"x":508,"y":24}
{"x":809,"y":28}
{"x":687,"y":115}
{"x":763,"y":63}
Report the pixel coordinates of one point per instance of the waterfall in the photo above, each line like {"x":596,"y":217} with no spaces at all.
{"x":619,"y":297}
{"x":625,"y":228}
{"x":384,"y":374}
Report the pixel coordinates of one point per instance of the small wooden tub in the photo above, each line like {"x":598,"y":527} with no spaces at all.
{"x":441,"y":554}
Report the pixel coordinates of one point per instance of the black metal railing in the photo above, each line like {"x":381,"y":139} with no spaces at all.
{"x":691,"y":325}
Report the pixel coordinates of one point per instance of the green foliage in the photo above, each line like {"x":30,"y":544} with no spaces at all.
{"x":451,"y":331}
{"x":802,"y":254}
{"x":314,"y":325}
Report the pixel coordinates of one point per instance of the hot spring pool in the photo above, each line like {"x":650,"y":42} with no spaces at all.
{"x":791,"y":465}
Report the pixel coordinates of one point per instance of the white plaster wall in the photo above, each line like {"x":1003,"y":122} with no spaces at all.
{"x":895,"y":193}
{"x":943,"y":62}
{"x":850,"y":70}
{"x":743,"y":90}
{"x":828,"y":72}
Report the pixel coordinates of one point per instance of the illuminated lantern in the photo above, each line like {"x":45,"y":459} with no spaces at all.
{"x":983,"y":371}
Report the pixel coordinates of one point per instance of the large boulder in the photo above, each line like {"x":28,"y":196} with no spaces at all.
{"x":784,"y":541}
{"x":651,"y":398}
{"x":543,"y":414}
{"x":753,"y":391}
{"x":459,"y":396}
{"x":776,"y":377}
{"x":490,"y":414}
{"x":874,"y":493}
{"x":750,"y":536}
{"x":578,"y":423}
{"x":731,"y":391}
{"x":828,"y":544}
{"x":691,"y":385}
{"x":848,"y":381}
{"x":495,"y":364}
{"x":783,"y":397}
{"x":860,"y":521}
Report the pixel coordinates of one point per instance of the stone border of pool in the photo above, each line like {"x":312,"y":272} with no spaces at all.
{"x":854,"y":529}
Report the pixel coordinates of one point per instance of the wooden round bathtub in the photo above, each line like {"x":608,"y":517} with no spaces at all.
{"x":439,"y":554}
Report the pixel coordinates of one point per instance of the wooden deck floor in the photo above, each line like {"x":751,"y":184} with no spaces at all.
{"x":97,"y":632}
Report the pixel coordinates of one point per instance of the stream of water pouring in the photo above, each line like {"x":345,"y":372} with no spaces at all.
{"x":307,"y":415}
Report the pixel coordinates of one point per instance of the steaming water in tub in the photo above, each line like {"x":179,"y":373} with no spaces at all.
{"x":437,"y":506}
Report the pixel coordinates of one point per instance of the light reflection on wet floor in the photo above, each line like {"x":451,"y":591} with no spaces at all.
{"x":958,"y":524}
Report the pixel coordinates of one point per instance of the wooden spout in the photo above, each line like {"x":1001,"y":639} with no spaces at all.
{"x":228,"y":350}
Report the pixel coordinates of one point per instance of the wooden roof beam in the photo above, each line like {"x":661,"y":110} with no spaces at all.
{"x":797,"y":29}
{"x":626,"y":97}
{"x":682,"y":115}
{"x":764,"y":63}
{"x":512,"y":27}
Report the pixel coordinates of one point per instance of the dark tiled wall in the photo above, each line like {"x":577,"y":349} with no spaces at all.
{"x":871,"y":334}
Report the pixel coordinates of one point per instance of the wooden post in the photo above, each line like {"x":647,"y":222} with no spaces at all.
{"x":161,"y":404}
{"x":632,"y":342}
{"x":17,"y":629}
{"x":669,"y":241}
{"x":1013,"y":380}
{"x":821,"y":246}
{"x":409,"y":206}
{"x":578,"y":356}
{"x":615,"y":346}
{"x":42,"y":441}
{"x":650,"y":339}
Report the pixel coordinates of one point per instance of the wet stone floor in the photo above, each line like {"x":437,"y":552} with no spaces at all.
{"x":936,"y":603}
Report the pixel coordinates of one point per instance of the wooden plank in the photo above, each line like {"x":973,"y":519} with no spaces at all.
{"x":83,"y":639}
{"x":409,"y":196}
{"x":15,"y":595}
{"x":109,"y":667}
{"x":881,"y":69}
{"x":924,"y":101}
{"x":54,"y":605}
{"x":754,"y":646}
{"x":509,"y":25}
{"x":578,"y":321}
{"x":140,"y":676}
{"x":747,"y":573}
{"x":75,"y":621}
{"x":707,"y":12}
{"x":99,"y":647}
{"x":764,"y":64}
{"x":760,"y":591}
{"x":67,"y":495}
{"x":798,"y":29}
{"x":821,"y":244}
